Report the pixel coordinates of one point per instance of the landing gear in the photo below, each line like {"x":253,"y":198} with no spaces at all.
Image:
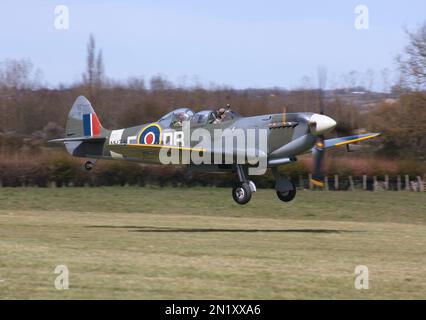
{"x":286,"y":190}
{"x":243,"y":189}
{"x":241,"y":193}
{"x":288,"y":195}
{"x":88,"y":165}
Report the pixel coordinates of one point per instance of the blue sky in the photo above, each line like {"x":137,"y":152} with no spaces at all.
{"x":238,"y":43}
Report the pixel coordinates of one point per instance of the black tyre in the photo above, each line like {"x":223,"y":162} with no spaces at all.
{"x":241,"y":193}
{"x":287,"y":196}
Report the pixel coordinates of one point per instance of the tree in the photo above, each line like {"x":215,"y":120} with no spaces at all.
{"x":99,"y":75}
{"x":412,"y":62}
{"x":94,"y":75}
{"x":370,"y":74}
{"x":402,"y":124}
{"x":19,"y":74}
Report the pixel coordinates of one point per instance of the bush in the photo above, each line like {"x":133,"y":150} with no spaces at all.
{"x":41,"y":169}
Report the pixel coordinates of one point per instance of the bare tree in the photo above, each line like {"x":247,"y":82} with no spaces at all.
{"x":160,"y":83}
{"x":99,"y":70}
{"x":353,"y":78}
{"x":94,"y":75}
{"x":90,"y":61}
{"x":370,"y":75}
{"x":412,"y":61}
{"x":19,"y":74}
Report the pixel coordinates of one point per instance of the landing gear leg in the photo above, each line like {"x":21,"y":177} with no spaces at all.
{"x":244,"y":188}
{"x":286,"y":190}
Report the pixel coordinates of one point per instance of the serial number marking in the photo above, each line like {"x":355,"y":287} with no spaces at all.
{"x":214,"y":309}
{"x":234,"y":309}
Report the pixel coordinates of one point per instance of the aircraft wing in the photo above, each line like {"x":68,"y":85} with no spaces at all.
{"x":336,"y":142}
{"x":150,"y":152}
{"x":82,"y":139}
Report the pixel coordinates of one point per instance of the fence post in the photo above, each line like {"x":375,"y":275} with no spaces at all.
{"x":336,"y":182}
{"x":386,"y":182}
{"x":407,"y":183}
{"x":374,"y":183}
{"x":310,"y":183}
{"x":398,"y":182}
{"x":421,"y":186}
{"x":351,"y":183}
{"x":326,"y":183}
{"x":364,"y":182}
{"x":301,"y":186}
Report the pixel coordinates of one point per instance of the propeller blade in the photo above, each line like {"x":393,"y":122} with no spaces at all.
{"x":318,"y":152}
{"x":322,"y":79}
{"x":321,"y":101}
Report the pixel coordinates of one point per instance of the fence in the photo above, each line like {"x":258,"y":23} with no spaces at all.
{"x":331,"y":183}
{"x":366,"y":183}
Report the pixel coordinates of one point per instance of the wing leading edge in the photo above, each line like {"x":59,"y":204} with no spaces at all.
{"x":336,"y":142}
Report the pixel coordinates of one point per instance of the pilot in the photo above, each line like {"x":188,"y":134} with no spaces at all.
{"x":181,"y":117}
{"x":221,"y":113}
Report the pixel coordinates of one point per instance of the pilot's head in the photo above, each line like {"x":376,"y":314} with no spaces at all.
{"x":183,"y":116}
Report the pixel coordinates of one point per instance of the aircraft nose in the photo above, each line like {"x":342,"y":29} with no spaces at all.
{"x":321,"y":124}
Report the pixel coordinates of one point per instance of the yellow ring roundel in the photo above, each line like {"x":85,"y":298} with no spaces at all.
{"x":151,"y":134}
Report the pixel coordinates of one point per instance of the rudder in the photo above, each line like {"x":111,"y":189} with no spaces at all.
{"x":82,"y":120}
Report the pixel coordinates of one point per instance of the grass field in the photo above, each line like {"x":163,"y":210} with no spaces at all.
{"x":146,"y":243}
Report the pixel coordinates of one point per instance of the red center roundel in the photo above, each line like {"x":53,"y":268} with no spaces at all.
{"x":149,"y":138}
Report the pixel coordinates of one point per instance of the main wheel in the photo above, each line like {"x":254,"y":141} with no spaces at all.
{"x":241,"y":193}
{"x":287,"y":196}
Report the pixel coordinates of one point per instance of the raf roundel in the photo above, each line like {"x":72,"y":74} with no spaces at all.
{"x":149,"y":138}
{"x":150,"y":135}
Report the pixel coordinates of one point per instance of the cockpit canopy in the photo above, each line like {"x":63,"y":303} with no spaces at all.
{"x":203,"y":117}
{"x":176,"y":117}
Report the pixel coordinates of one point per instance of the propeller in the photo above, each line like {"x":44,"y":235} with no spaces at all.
{"x":318,"y":152}
{"x":317,"y":126}
{"x":322,"y":80}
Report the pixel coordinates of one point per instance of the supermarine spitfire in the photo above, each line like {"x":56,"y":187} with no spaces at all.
{"x":267,"y":141}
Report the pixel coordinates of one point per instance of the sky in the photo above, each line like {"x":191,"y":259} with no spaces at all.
{"x":240,"y":43}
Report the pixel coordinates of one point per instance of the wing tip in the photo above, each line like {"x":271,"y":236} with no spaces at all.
{"x":317,"y":182}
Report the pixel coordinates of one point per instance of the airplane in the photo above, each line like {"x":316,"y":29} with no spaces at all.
{"x":288,"y":135}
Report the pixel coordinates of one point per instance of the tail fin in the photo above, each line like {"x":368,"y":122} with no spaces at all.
{"x":85,"y":136}
{"x":82,"y":120}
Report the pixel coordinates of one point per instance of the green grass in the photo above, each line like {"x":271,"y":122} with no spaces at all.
{"x":197,"y":243}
